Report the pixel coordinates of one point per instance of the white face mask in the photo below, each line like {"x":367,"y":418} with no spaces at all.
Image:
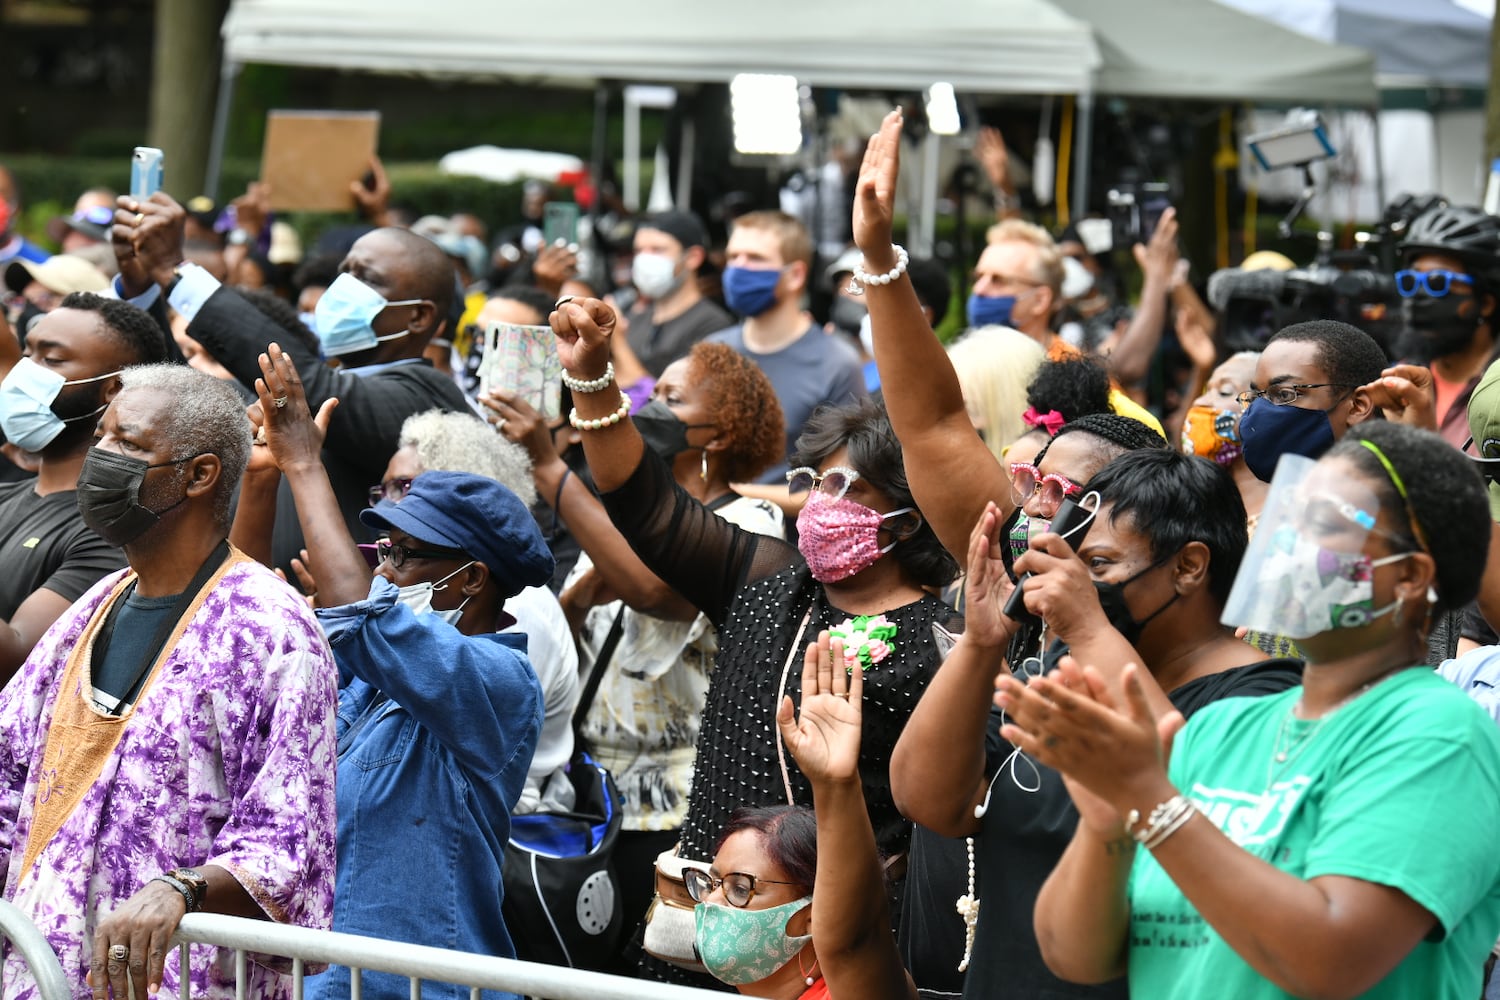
{"x":654,"y":275}
{"x":418,"y":597}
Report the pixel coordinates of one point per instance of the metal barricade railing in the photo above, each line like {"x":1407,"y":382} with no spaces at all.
{"x":415,"y":962}
{"x":23,"y":935}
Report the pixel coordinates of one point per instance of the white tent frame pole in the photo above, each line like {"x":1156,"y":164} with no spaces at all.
{"x":685,"y":154}
{"x":631,"y":181}
{"x":229,"y":73}
{"x":1083,"y":142}
{"x":1380,"y":195}
{"x":923,"y":235}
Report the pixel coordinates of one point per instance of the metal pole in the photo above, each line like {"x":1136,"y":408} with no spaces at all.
{"x":1083,"y":142}
{"x":685,"y":165}
{"x":41,"y":961}
{"x":630,"y":183}
{"x":228,"y":74}
{"x":923,"y":235}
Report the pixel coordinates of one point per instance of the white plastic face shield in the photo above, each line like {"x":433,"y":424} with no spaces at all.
{"x":1305,"y":571}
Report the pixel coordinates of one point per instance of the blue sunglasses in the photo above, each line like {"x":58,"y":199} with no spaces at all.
{"x":1434,"y":283}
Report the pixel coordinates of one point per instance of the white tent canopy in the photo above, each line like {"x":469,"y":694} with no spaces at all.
{"x":980,"y":46}
{"x":1200,"y":50}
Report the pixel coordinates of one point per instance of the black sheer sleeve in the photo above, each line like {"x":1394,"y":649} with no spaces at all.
{"x":699,"y":554}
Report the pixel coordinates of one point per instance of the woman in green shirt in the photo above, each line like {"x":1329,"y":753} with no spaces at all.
{"x":1334,"y":841}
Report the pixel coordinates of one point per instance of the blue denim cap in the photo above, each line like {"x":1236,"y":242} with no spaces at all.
{"x":476,"y":515}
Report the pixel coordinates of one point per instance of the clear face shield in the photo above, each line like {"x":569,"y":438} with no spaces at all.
{"x":1305,"y":571}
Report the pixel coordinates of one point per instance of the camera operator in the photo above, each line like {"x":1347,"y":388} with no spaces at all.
{"x":1448,"y":299}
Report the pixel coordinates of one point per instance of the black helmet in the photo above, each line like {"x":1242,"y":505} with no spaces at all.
{"x":1463,"y":231}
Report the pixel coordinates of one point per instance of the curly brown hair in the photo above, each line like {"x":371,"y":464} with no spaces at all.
{"x":747,"y":407}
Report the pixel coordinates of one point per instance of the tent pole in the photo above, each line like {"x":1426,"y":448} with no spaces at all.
{"x":1082,"y":151}
{"x":600,"y":268}
{"x":685,"y":165}
{"x":1380,"y":201}
{"x":923,"y":234}
{"x":228,"y":74}
{"x":630,"y":183}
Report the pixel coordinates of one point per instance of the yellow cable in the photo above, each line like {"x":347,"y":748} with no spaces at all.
{"x":1252,"y":197}
{"x":1221,"y":186}
{"x":1064,"y":155}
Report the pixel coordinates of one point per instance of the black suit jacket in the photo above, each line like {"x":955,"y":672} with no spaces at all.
{"x":364,"y":432}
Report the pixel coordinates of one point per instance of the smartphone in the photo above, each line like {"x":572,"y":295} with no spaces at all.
{"x":1072,"y":522}
{"x":560,"y":223}
{"x":145,"y":172}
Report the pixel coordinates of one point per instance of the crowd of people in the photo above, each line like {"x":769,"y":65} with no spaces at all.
{"x":1087,"y":656}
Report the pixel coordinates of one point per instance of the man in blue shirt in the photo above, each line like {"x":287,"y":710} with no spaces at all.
{"x":439,"y":713}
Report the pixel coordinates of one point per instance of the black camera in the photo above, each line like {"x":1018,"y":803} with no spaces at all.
{"x":1257,"y":304}
{"x":1134,"y":211}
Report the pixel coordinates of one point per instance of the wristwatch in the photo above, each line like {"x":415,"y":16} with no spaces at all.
{"x":194,"y":880}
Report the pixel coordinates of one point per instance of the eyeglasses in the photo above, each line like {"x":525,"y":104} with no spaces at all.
{"x":398,"y":554}
{"x":1285,"y":395}
{"x":394,"y":490}
{"x":99,"y":215}
{"x":834,"y":483}
{"x":1026,"y":481}
{"x":1436,"y":283}
{"x":739,"y":887}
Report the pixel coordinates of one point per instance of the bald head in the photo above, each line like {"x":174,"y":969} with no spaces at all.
{"x":414,"y":266}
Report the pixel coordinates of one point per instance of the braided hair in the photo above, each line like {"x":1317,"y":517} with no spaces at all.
{"x":1121,"y":434}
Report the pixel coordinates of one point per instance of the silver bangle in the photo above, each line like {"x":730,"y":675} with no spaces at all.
{"x":1165,"y":819}
{"x":593,"y":384}
{"x":861,"y":277}
{"x":601,"y":422}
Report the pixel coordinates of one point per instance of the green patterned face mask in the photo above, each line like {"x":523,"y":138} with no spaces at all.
{"x":740,"y":946}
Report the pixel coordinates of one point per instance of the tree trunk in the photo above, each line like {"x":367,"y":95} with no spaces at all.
{"x":184,"y":82}
{"x":1492,"y":100}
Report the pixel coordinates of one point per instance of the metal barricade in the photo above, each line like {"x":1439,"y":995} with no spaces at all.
{"x":17,"y":928}
{"x":416,"y":962}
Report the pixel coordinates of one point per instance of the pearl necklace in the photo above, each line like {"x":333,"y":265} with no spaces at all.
{"x":968,"y":908}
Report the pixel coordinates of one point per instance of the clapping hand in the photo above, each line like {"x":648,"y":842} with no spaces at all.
{"x":824,"y":740}
{"x":583,"y":328}
{"x":875,"y":195}
{"x":987,"y":586}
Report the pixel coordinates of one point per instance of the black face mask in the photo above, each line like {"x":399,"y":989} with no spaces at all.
{"x":1112,"y":600}
{"x":1435,"y":327}
{"x":846,"y":314}
{"x":662,"y":430}
{"x":109,"y":489}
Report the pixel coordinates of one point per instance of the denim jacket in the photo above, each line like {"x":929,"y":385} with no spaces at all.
{"x":435,"y":733}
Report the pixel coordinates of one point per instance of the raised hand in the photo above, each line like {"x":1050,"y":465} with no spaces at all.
{"x":875,"y":195}
{"x":1158,"y":256}
{"x":373,"y":202}
{"x":987,"y":586}
{"x":1405,"y":395}
{"x":825,"y":739}
{"x":990,"y":150}
{"x":583,"y":328}
{"x":293,"y":434}
{"x":148,"y":237}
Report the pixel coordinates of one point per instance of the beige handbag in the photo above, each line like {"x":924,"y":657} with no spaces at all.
{"x":671,"y":933}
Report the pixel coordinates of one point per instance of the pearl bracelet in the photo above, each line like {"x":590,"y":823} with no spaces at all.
{"x":601,"y":422}
{"x":591,"y":385}
{"x":861,"y":277}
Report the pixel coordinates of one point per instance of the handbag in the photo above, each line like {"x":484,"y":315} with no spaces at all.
{"x":561,"y":901}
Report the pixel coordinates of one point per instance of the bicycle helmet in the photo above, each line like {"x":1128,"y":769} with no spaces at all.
{"x":1463,"y":231}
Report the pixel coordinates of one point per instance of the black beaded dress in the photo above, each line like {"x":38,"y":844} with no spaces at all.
{"x":756,"y":590}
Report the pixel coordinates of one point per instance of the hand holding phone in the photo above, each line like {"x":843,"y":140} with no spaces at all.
{"x":1072,"y":522}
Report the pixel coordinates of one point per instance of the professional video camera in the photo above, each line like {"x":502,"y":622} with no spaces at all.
{"x":1353,"y":286}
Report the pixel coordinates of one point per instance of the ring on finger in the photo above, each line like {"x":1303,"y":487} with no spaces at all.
{"x":118,"y":952}
{"x":279,"y":402}
{"x":564,"y":301}
{"x":140,"y":217}
{"x":841,"y":694}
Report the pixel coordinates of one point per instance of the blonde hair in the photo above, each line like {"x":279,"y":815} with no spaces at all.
{"x":1049,"y":265}
{"x":790,"y":233}
{"x":995,"y":364}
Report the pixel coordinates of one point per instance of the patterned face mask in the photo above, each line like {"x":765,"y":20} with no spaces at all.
{"x":1304,"y":589}
{"x":1023,"y":531}
{"x":1212,"y":433}
{"x":839,"y":538}
{"x":740,"y":946}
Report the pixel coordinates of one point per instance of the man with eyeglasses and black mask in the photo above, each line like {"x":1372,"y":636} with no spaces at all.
{"x":1448,"y":298}
{"x":50,"y":400}
{"x":168,"y":746}
{"x":392,"y":297}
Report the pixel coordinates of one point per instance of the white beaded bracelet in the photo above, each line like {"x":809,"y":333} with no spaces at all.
{"x":591,"y":385}
{"x":601,"y":422}
{"x":861,"y":277}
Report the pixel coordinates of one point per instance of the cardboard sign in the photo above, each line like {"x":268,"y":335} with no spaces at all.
{"x":310,"y":158}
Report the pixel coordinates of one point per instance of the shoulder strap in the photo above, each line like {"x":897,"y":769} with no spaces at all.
{"x":596,"y":676}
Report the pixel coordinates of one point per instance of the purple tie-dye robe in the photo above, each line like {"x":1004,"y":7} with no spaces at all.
{"x":228,"y":760}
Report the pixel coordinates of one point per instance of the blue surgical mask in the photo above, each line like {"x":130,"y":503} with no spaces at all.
{"x":26,"y":398}
{"x":990,"y":310}
{"x":1268,"y":431}
{"x":345,"y":313}
{"x":418,"y":597}
{"x":750,"y":291}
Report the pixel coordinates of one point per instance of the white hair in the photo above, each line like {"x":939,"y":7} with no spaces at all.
{"x":461,"y":442}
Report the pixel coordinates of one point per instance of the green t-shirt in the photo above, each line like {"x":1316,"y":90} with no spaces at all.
{"x":1400,"y":787}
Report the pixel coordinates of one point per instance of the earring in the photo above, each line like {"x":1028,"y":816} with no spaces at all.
{"x":703,"y":467}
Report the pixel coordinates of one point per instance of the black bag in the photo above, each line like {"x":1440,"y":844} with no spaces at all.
{"x":562,"y":898}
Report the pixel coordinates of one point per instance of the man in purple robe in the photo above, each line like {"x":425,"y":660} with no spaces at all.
{"x":168,"y":746}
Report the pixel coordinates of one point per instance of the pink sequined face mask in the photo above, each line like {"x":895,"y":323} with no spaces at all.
{"x":839,"y":538}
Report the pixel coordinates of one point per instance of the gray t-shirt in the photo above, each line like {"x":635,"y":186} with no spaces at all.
{"x":814,"y":369}
{"x":659,"y":344}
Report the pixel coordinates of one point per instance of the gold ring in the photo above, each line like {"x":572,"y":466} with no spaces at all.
{"x":841,"y":694}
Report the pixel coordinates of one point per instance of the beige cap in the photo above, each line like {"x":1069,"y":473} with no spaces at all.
{"x":62,"y":275}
